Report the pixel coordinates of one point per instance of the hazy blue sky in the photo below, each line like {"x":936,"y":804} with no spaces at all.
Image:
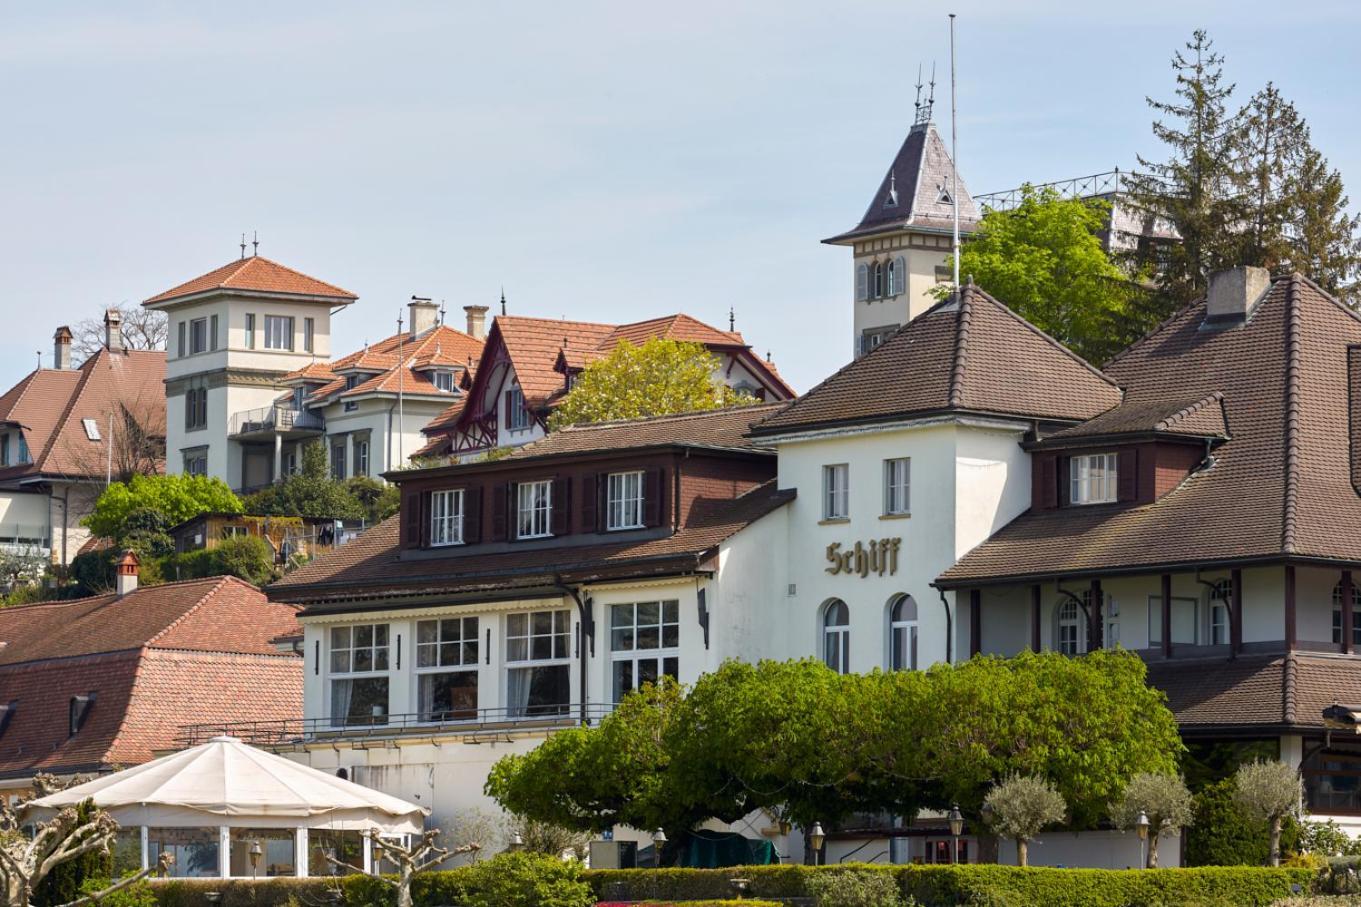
{"x":604,"y":161}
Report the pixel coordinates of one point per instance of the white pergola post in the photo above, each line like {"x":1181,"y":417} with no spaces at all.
{"x":368,"y":855}
{"x":278,"y":456}
{"x":146,"y":849}
{"x":301,"y":857}
{"x":224,"y":851}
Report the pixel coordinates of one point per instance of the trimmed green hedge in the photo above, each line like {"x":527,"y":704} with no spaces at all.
{"x":995,"y":886}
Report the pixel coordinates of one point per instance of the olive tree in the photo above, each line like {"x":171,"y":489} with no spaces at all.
{"x":1021,"y":807}
{"x":1268,"y":790}
{"x":1163,"y":799}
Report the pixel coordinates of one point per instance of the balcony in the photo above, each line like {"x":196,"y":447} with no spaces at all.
{"x":282,"y":420}
{"x":472,"y":724}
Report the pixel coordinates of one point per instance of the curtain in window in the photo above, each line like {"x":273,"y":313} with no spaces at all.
{"x":518,"y":684}
{"x":341,"y":693}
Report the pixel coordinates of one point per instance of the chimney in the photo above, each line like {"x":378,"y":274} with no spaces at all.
{"x":61,"y":348}
{"x":1232,"y":295}
{"x":424,"y":315}
{"x":477,"y":321}
{"x":113,"y":330}
{"x":125,"y":573}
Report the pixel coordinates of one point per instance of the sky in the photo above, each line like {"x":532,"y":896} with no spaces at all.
{"x":605,"y":161}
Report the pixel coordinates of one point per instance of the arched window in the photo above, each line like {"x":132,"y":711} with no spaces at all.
{"x":1068,"y":628}
{"x":902,"y":633}
{"x":893,"y":278}
{"x":836,"y":635}
{"x":878,"y":280}
{"x":1356,"y":614}
{"x":1219,"y":614}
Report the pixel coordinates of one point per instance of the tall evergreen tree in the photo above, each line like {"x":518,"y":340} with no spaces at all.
{"x":1322,"y":237}
{"x":1271,"y":136}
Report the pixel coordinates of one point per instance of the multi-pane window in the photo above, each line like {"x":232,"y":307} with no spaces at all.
{"x":836,"y":492}
{"x":309,"y":331}
{"x":836,"y":636}
{"x":446,"y":668}
{"x":644,"y":644}
{"x":359,"y":683}
{"x":897,"y":475}
{"x":902,"y":633}
{"x":195,"y":408}
{"x":1356,"y":614}
{"x":278,"y":332}
{"x":446,"y":517}
{"x":361,"y":457}
{"x":517,"y":414}
{"x":196,"y":462}
{"x":624,"y":500}
{"x":198,"y":335}
{"x":533,"y":509}
{"x":1068,"y":628}
{"x":1219,"y":614}
{"x":874,"y":338}
{"x":24,"y":455}
{"x":338,"y":458}
{"x":1093,"y":479}
{"x":444,"y":381}
{"x":538,"y":663}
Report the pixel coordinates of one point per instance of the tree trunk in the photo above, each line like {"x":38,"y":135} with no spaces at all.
{"x":404,"y":884}
{"x":1275,"y":855}
{"x":1152,"y":851}
{"x":1022,"y":852}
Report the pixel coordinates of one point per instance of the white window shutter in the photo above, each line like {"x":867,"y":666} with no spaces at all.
{"x":862,"y":283}
{"x":899,"y":275}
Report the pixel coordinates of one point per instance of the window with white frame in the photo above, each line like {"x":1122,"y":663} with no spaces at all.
{"x":1068,"y":622}
{"x":836,"y":492}
{"x":250,"y":331}
{"x":309,"y":331}
{"x":1112,"y":614}
{"x":836,"y":636}
{"x":533,"y":509}
{"x":444,"y":381}
{"x":1356,"y":614}
{"x":902,"y":633}
{"x":897,"y":478}
{"x":196,"y":461}
{"x":446,"y":517}
{"x":446,"y":668}
{"x":198,"y":335}
{"x":538,"y":663}
{"x":517,"y":414}
{"x":624,"y":500}
{"x":278,"y":332}
{"x":359,"y":682}
{"x":644,"y":644}
{"x":361,"y":456}
{"x":1093,"y":479}
{"x":1220,"y":594}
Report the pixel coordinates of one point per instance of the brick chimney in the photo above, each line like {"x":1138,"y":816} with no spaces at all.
{"x":113,"y":330}
{"x":61,"y":348}
{"x":125,"y":573}
{"x":477,"y":321}
{"x":1232,"y":295}
{"x":424,"y":315}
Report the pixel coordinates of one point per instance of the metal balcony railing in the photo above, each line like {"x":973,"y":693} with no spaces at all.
{"x":1107,"y":183}
{"x":276,"y":418}
{"x":457,"y":721}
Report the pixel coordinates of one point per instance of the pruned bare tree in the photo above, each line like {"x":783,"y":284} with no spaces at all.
{"x":143,"y":329}
{"x":421,"y":856}
{"x":135,"y":435}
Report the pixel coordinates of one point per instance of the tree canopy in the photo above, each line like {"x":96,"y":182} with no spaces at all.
{"x":655,"y":378}
{"x":173,"y":499}
{"x":808,"y":744}
{"x":310,"y":492}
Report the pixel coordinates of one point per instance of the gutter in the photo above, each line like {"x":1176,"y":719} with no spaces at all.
{"x":1138,"y":569}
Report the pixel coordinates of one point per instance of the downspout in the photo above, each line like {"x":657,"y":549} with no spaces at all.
{"x":949,"y":628}
{"x":65,"y":519}
{"x":587,"y":635}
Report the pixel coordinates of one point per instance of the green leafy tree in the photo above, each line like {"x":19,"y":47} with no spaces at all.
{"x":1223,"y":834}
{"x":311,"y":492}
{"x":123,"y":506}
{"x":1270,"y":791}
{"x":1021,"y":807}
{"x":656,"y":378}
{"x":1163,"y":799}
{"x":248,"y":557}
{"x":1044,"y":259}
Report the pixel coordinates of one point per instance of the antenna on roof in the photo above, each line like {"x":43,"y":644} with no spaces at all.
{"x":40,"y":360}
{"x":923,"y":108}
{"x":255,"y":243}
{"x":243,"y":246}
{"x":441,"y":311}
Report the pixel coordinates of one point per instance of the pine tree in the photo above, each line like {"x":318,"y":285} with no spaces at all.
{"x":1195,"y":188}
{"x":1322,"y":237}
{"x":1271,"y":137}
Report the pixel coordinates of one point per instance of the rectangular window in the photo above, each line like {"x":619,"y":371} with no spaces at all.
{"x":212,"y":333}
{"x":91,"y":427}
{"x":4,"y":450}
{"x":897,"y":474}
{"x":179,"y":347}
{"x":250,"y":331}
{"x":534,"y":509}
{"x":836,"y":500}
{"x":358,"y":654}
{"x":624,"y":501}
{"x":444,"y":381}
{"x":446,"y":517}
{"x":644,"y":644}
{"x":361,"y":457}
{"x":1093,"y":479}
{"x":351,"y":406}
{"x":194,"y":851}
{"x":198,"y":335}
{"x":538,"y":674}
{"x":309,"y":331}
{"x":278,"y":332}
{"x":275,"y":848}
{"x":1185,"y":621}
{"x":24,"y":456}
{"x":517,"y":415}
{"x":196,"y":462}
{"x":446,"y":668}
{"x":338,"y":459}
{"x":195,"y":408}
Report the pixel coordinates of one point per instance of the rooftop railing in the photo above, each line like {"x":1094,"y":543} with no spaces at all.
{"x":1106,"y":183}
{"x":276,"y":418}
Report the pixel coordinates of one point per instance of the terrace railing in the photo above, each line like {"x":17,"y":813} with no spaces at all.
{"x":275,"y":418}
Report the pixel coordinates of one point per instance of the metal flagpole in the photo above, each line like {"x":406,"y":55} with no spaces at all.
{"x":954,"y":152}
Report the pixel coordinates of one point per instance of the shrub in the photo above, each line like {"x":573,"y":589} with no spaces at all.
{"x":508,"y":880}
{"x":1269,"y":790}
{"x":856,"y":888}
{"x":139,"y":894}
{"x":246,"y":556}
{"x":1222,"y":834}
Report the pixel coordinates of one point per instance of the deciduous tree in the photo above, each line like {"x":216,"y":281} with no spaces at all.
{"x":1021,"y":807}
{"x":1163,"y":799}
{"x":1269,"y":790}
{"x":176,"y":498}
{"x":143,"y":329}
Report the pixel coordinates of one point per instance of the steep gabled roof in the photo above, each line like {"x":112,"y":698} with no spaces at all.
{"x":971,"y":355}
{"x":721,"y":429}
{"x":533,"y":345}
{"x":440,"y":346}
{"x":255,"y":275}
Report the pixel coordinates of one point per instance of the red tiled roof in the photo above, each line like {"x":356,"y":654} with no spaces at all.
{"x":441,"y":345}
{"x":725,"y":429}
{"x":533,"y":345}
{"x":257,"y":275}
{"x":313,"y":371}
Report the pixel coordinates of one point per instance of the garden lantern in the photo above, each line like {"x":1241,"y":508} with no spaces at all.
{"x":816,"y":838}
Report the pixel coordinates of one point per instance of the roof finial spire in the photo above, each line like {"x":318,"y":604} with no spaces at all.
{"x":255,"y":243}
{"x":923,"y":115}
{"x":503,"y":300}
{"x":243,"y":246}
{"x":917,"y":104}
{"x":732,"y":319}
{"x":441,"y":311}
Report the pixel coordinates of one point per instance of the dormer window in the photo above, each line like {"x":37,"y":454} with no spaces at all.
{"x":446,"y":517}
{"x":517,"y":414}
{"x":943,"y":195}
{"x":534,"y":509}
{"x":624,"y":501}
{"x":444,"y":381}
{"x":1093,"y":479}
{"x":79,"y":710}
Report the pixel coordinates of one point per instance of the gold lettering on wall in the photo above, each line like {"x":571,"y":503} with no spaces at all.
{"x":879,"y":557}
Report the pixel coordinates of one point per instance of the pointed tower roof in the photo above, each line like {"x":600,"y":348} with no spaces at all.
{"x":915,"y":192}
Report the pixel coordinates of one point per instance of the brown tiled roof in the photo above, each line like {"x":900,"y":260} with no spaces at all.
{"x":1281,"y":485}
{"x":437,"y":346}
{"x":370,"y":566}
{"x":50,"y":404}
{"x":533,"y":345}
{"x":1198,"y":417}
{"x":972,"y":356}
{"x":671,"y":327}
{"x":723,"y":429}
{"x":1279,"y":691}
{"x":257,"y":275}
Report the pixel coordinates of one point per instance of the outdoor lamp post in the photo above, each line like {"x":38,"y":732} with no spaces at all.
{"x":956,"y":819}
{"x":256,"y":851}
{"x":517,"y":842}
{"x":1141,"y":826}
{"x":659,"y":837}
{"x":817,"y":837}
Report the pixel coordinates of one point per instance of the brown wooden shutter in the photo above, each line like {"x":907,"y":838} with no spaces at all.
{"x":500,"y":505}
{"x":1062,"y":481}
{"x":590,"y":499}
{"x":1127,"y":475}
{"x":411,"y":513}
{"x":560,"y":522}
{"x":1048,"y":478}
{"x":507,"y":408}
{"x":653,"y":492}
{"x":472,"y":515}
